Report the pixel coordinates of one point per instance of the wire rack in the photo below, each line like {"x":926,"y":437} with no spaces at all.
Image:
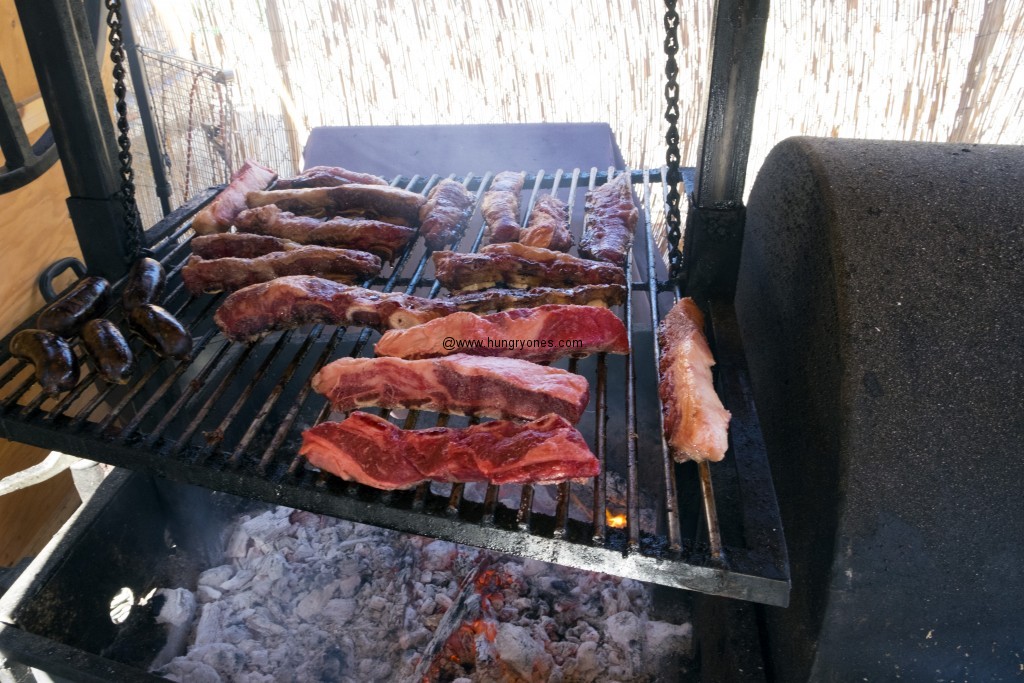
{"x":200,"y":132}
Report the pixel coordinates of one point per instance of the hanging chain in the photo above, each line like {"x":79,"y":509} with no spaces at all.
{"x":128,"y":206}
{"x":672,"y":156}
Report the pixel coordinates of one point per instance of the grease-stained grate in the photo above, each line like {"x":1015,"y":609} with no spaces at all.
{"x":230,"y":417}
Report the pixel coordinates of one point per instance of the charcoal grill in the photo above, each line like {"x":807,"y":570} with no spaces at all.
{"x":230,"y":416}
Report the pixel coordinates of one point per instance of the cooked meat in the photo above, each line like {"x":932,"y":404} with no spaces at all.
{"x":289,"y":302}
{"x":443,"y":218}
{"x":549,"y":225}
{"x":218,"y":215}
{"x":609,"y":219}
{"x":370,"y":450}
{"x":539,"y":334}
{"x":238,"y":245}
{"x":500,"y":207}
{"x":327,"y":176}
{"x":519,"y":266}
{"x":230,"y":274}
{"x":383,"y":239}
{"x":376,"y":202}
{"x":696,"y":423}
{"x":460,"y":384}
{"x":485,"y":300}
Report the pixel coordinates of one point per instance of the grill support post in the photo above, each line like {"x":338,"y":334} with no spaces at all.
{"x":714,"y":222}
{"x":63,"y":53}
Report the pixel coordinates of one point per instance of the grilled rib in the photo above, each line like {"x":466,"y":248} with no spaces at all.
{"x":383,"y":239}
{"x":548,"y":227}
{"x":289,"y":302}
{"x":230,"y":274}
{"x":500,"y":207}
{"x":370,"y":450}
{"x":609,"y":219}
{"x":520,"y":266}
{"x":443,"y":218}
{"x":540,"y":335}
{"x":696,"y":422}
{"x":327,"y":176}
{"x":238,"y":245}
{"x":505,"y":388}
{"x":218,"y":215}
{"x":376,"y":202}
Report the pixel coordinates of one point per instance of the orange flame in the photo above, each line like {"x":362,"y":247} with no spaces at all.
{"x":615,"y":521}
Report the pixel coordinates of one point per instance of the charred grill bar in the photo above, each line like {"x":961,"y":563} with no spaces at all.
{"x":230,"y":417}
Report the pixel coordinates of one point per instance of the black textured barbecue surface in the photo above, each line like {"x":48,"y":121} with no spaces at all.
{"x":230,"y":417}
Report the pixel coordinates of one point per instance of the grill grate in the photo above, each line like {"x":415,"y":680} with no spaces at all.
{"x":230,"y":417}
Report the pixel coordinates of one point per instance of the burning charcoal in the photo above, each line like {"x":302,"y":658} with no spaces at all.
{"x":239,"y":580}
{"x":207,"y":594}
{"x":626,"y":632}
{"x":350,"y":585}
{"x":177,"y":613}
{"x":215,"y":578}
{"x":210,"y":625}
{"x":339,"y":610}
{"x":313,"y":603}
{"x":522,"y":652}
{"x":187,"y":671}
{"x":439,"y":555}
{"x":219,"y":656}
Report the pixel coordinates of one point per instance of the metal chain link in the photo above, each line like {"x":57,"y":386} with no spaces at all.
{"x":672,"y":156}
{"x":128,"y":206}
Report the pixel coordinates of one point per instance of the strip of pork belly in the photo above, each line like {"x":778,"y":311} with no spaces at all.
{"x":609,"y":220}
{"x":327,"y":176}
{"x":444,"y":216}
{"x":229,"y":274}
{"x":548,"y":227}
{"x":500,"y":207}
{"x":541,"y":334}
{"x":289,"y":302}
{"x":372,"y":451}
{"x":376,"y":202}
{"x":238,"y":245}
{"x":696,"y":422}
{"x":218,"y":215}
{"x":520,"y":266}
{"x":505,"y":388}
{"x":377,"y":237}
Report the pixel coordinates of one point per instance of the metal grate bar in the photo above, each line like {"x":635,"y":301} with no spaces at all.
{"x":668,"y":467}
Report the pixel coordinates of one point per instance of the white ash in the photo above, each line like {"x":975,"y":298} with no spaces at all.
{"x":303,"y":597}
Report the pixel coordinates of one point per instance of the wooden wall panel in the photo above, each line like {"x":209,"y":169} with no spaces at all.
{"x":35,"y":230}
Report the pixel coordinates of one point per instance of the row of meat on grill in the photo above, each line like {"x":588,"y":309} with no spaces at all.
{"x":296,"y":250}
{"x":551,"y":304}
{"x":292,"y":253}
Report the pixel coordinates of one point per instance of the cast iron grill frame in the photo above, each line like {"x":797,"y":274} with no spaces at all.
{"x":204,"y":421}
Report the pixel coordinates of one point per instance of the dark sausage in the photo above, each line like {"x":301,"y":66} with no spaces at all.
{"x":160,"y":330}
{"x":109,"y":350}
{"x":83,"y":302}
{"x":145,"y":284}
{"x":55,"y":362}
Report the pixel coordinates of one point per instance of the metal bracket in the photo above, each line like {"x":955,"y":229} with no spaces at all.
{"x":63,"y":52}
{"x":714,"y":237}
{"x":714,"y":224}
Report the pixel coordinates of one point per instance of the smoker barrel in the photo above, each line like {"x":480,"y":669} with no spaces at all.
{"x":879,"y":299}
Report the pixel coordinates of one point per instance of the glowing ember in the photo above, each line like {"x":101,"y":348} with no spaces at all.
{"x":615,"y":521}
